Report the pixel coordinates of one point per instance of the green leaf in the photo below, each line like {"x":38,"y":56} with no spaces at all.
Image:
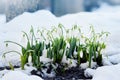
{"x":28,"y":45}
{"x":23,"y":50}
{"x":90,"y":55}
{"x":22,"y":62}
{"x":103,"y":46}
{"x":72,"y":43}
{"x":78,"y":56}
{"x":11,"y":66}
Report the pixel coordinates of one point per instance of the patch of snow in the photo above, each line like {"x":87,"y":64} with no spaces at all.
{"x":107,"y":73}
{"x":86,"y":65}
{"x":28,"y":69}
{"x":26,"y":20}
{"x":3,"y":72}
{"x":70,"y":62}
{"x":115,"y":59}
{"x":112,"y":49}
{"x":45,"y":60}
{"x":106,"y":61}
{"x":2,"y":64}
{"x":13,"y":58}
{"x":18,"y":75}
{"x":44,"y":53}
{"x":51,"y":74}
{"x":89,"y":72}
{"x":33,"y":77}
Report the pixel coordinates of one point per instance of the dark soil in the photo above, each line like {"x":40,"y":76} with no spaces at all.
{"x":8,"y":68}
{"x":73,"y":73}
{"x":35,"y":72}
{"x":2,"y":68}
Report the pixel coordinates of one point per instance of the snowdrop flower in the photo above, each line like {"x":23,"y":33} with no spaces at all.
{"x":81,"y":54}
{"x":75,"y":53}
{"x":68,"y":45}
{"x":30,"y":59}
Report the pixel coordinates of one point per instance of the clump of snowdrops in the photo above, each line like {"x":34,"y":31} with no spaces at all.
{"x":60,"y":43}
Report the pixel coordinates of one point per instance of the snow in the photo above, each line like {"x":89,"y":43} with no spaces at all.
{"x":100,"y":19}
{"x":115,"y":59}
{"x":106,"y":61}
{"x":26,"y":71}
{"x":45,"y":60}
{"x":52,"y":74}
{"x":89,"y":72}
{"x":2,"y":73}
{"x":104,"y":73}
{"x":26,"y":20}
{"x":86,"y":65}
{"x":14,"y":60}
{"x":2,"y":61}
{"x":20,"y":76}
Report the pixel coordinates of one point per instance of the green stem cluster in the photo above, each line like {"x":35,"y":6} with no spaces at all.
{"x":89,"y":47}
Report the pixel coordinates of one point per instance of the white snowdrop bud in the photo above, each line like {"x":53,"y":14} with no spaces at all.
{"x":81,"y":54}
{"x":75,"y":53}
{"x":68,"y":45}
{"x":30,"y":58}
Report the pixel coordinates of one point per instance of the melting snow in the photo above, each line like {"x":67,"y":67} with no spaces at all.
{"x":20,"y":76}
{"x":104,"y":73}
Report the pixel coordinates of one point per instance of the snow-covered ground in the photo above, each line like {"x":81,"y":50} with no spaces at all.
{"x":104,"y":73}
{"x":101,"y":20}
{"x":20,"y":76}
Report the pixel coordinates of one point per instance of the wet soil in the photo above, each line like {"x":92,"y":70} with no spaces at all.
{"x":74,"y":73}
{"x":8,"y":68}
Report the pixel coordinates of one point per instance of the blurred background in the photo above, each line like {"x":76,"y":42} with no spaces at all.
{"x":13,"y":8}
